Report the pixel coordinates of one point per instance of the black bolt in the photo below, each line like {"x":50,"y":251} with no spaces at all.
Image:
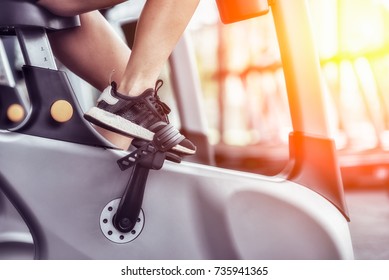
{"x":125,"y":222}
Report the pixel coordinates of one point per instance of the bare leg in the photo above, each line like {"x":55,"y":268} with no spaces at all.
{"x":93,"y":50}
{"x":160,"y":26}
{"x":93,"y":56}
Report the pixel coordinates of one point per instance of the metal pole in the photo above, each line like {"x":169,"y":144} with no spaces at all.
{"x":301,"y":67}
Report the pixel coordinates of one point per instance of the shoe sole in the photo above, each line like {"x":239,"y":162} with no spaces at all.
{"x":125,"y":127}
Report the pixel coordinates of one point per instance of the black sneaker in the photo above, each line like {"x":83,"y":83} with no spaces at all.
{"x":138,"y":117}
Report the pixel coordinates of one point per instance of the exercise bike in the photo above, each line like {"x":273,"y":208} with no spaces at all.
{"x":82,"y":198}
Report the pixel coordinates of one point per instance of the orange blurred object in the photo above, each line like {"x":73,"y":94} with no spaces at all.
{"x":236,"y":10}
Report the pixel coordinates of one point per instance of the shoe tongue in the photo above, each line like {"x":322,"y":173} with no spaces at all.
{"x":147,"y":92}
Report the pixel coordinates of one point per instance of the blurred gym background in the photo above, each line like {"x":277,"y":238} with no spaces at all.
{"x":246,"y":104}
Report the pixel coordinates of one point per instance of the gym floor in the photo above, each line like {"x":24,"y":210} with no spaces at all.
{"x":369,"y":226}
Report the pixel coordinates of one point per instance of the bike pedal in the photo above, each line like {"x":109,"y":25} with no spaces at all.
{"x":170,"y":155}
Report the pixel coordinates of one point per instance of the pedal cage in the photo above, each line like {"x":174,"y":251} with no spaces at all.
{"x":153,"y":153}
{"x":147,"y":155}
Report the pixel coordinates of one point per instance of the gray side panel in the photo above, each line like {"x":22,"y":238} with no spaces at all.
{"x":191,"y":211}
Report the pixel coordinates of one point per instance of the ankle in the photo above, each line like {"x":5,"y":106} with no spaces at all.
{"x":132,"y":89}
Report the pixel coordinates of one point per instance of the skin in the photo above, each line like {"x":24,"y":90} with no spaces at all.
{"x":93,"y":50}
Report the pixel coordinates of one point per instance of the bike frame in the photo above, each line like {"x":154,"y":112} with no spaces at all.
{"x":61,"y":183}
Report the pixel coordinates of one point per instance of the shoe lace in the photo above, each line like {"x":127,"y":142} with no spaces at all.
{"x":162,"y":108}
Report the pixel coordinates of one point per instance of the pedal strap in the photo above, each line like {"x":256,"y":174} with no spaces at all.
{"x":167,"y":137}
{"x":164,"y":139}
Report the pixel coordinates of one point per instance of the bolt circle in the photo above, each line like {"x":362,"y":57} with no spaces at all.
{"x":111,"y":232}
